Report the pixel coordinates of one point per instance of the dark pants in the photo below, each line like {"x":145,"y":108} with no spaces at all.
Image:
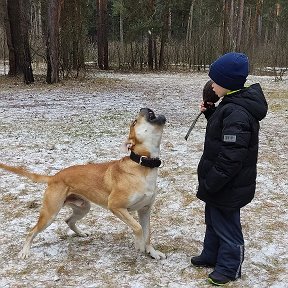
{"x":224,"y":243}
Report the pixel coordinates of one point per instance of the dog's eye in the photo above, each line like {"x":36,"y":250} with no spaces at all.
{"x":134,"y":123}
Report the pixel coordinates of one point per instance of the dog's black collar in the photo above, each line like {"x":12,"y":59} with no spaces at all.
{"x":145,"y":161}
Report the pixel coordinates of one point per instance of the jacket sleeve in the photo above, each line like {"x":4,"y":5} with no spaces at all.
{"x":236,"y":135}
{"x":209,"y":112}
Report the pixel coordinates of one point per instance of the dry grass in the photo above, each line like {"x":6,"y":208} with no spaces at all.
{"x":278,"y":101}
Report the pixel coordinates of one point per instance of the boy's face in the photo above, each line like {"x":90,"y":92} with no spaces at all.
{"x":219,"y":91}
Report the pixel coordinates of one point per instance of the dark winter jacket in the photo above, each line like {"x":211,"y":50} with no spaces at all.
{"x":227,"y":169}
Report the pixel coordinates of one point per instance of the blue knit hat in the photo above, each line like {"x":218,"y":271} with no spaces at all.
{"x":230,"y":70}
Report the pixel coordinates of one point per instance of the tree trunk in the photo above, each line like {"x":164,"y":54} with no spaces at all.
{"x":78,"y":43}
{"x":248,"y":25}
{"x":232,"y":42}
{"x":151,"y":41}
{"x":150,"y":51}
{"x":12,"y":56}
{"x":240,"y":24}
{"x":189,"y":33}
{"x":254,"y":32}
{"x":54,"y":12}
{"x":277,"y":27}
{"x":190,"y":24}
{"x":71,"y":36}
{"x":17,"y":30}
{"x":102,"y":30}
{"x":121,"y":32}
{"x":225,"y":35}
{"x":164,"y":33}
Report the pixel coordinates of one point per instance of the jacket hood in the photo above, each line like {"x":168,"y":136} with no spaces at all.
{"x":252,"y":99}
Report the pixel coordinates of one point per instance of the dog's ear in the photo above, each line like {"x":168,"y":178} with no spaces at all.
{"x":128,"y":145}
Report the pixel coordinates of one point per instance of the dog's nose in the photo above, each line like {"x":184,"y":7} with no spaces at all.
{"x":147,"y":110}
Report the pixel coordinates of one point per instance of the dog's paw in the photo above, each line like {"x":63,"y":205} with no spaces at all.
{"x":24,"y":254}
{"x":82,"y":234}
{"x":156,"y":254}
{"x":77,"y":231}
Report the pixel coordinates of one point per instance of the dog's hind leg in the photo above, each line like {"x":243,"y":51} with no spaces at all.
{"x":80,"y":208}
{"x":53,"y":200}
{"x":144,"y":219}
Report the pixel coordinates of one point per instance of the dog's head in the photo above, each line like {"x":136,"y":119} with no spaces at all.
{"x":146,"y":133}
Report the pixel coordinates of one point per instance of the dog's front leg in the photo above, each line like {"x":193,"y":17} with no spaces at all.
{"x":144,"y":219}
{"x":125,"y":216}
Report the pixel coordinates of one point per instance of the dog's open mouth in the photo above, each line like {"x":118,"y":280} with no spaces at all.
{"x":151,"y":117}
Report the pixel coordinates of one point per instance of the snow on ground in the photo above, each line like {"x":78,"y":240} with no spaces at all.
{"x":48,"y":127}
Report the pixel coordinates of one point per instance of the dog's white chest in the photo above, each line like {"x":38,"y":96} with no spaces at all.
{"x":145,"y":194}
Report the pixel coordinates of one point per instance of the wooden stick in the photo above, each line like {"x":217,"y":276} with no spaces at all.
{"x":192,"y":126}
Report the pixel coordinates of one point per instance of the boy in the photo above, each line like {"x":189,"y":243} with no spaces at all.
{"x":227,"y":169}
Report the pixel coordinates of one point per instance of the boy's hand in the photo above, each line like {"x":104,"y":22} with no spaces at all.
{"x":206,"y":105}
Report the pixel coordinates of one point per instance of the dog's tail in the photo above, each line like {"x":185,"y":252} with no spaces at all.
{"x":23,"y":172}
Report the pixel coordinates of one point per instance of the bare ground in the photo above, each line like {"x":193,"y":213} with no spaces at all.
{"x":48,"y":127}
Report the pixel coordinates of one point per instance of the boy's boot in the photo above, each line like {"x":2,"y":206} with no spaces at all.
{"x":199,"y":261}
{"x":218,"y":279}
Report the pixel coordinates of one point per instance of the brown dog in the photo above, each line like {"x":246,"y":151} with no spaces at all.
{"x":120,"y":185}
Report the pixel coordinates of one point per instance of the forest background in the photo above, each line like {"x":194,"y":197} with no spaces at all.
{"x":70,"y":36}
